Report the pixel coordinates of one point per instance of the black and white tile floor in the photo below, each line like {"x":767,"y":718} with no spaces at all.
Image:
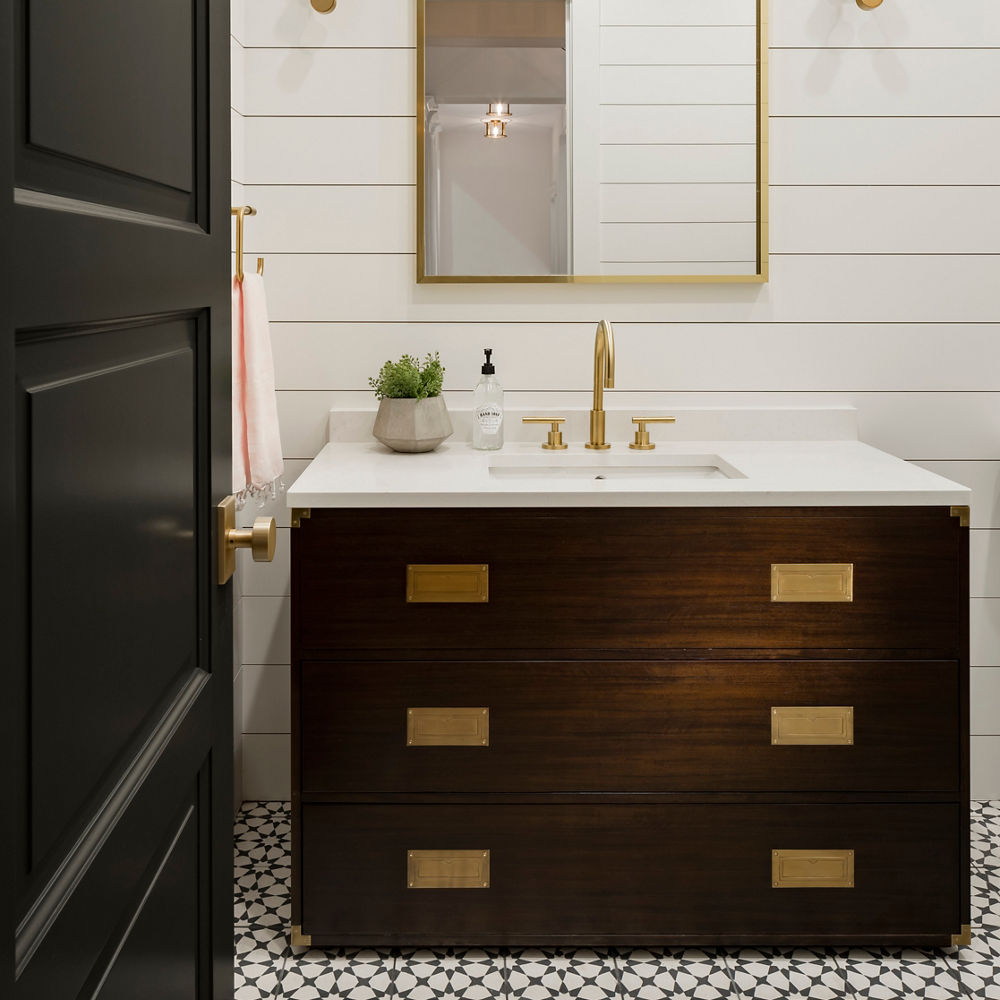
{"x":269,"y":968}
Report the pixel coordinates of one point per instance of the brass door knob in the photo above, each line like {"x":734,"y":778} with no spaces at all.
{"x":554,"y":441}
{"x":642,"y":442}
{"x":869,"y":4}
{"x":260,"y":539}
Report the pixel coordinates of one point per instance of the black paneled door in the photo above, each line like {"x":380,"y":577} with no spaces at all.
{"x":117,"y":679}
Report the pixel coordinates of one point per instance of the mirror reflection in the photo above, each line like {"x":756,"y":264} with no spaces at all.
{"x":590,"y":138}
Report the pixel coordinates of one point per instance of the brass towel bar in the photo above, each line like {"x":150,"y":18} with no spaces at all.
{"x":241,"y":211}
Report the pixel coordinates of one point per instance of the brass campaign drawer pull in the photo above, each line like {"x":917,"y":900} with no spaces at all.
{"x":812,"y":725}
{"x":448,"y":869}
{"x":813,"y":869}
{"x":812,"y":582}
{"x":447,"y":727}
{"x":447,"y":583}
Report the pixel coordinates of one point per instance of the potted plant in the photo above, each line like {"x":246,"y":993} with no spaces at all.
{"x":411,"y":414}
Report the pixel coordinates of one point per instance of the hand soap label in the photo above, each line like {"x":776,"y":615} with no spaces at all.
{"x":489,"y":417}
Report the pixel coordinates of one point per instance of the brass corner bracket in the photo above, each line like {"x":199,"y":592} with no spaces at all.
{"x":963,"y":515}
{"x":298,"y":513}
{"x":300,"y":940}
{"x":962,"y":938}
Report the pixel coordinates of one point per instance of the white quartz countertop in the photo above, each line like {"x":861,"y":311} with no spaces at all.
{"x":689,"y":473}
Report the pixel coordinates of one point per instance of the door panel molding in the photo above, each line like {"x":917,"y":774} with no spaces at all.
{"x":95,"y":415}
{"x":59,"y":203}
{"x":145,"y":143}
{"x":49,"y":904}
{"x":184,"y":838}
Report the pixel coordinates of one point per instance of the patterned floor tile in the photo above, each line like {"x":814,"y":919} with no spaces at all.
{"x":261,"y":875}
{"x":654,"y":974}
{"x":541,"y":973}
{"x":260,"y":958}
{"x":787,"y":974}
{"x":337,"y":974}
{"x":449,"y":974}
{"x":985,"y":855}
{"x":888,"y":974}
{"x":990,"y":810}
{"x":985,"y":886}
{"x":271,"y":828}
{"x":979,"y":975}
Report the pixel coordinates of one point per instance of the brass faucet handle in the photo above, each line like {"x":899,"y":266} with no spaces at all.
{"x":642,"y":442}
{"x":555,"y":441}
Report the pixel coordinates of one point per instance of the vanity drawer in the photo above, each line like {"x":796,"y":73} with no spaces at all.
{"x":628,"y":579}
{"x":640,"y":725}
{"x":630,"y":874}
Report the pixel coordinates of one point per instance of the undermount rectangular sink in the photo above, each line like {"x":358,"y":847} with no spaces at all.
{"x":599,"y":467}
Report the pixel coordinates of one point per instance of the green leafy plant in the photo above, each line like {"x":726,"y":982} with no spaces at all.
{"x":409,"y":378}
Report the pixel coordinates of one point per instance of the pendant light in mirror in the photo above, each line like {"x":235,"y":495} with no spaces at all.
{"x":496,"y":118}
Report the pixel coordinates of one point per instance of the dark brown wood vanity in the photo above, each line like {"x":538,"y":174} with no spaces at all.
{"x":630,"y":726}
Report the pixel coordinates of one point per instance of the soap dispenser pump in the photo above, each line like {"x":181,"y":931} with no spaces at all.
{"x":487,"y":408}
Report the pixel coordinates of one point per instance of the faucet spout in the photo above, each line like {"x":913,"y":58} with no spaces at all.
{"x":604,"y":378}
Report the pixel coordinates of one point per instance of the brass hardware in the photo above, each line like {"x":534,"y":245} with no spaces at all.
{"x":555,"y":441}
{"x":761,"y":243}
{"x":812,"y":582}
{"x":812,"y":869}
{"x":812,"y":725}
{"x":434,"y":583}
{"x":323,"y":6}
{"x":260,"y":539}
{"x":964,"y":937}
{"x":963,"y":514}
{"x":447,"y":727}
{"x":869,"y":4}
{"x":448,"y":869}
{"x":604,"y":378}
{"x":642,"y":442}
{"x":298,"y":514}
{"x":240,"y":212}
{"x":298,"y":939}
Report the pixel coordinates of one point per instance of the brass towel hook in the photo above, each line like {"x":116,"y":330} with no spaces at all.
{"x":869,"y":4}
{"x":241,"y":211}
{"x":323,"y":6}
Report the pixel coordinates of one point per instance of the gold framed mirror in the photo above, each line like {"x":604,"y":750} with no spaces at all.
{"x":592,"y":141}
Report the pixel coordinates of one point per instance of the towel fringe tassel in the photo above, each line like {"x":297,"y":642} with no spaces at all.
{"x":260,"y":494}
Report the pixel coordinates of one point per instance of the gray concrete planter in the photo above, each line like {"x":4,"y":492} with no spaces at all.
{"x":412,"y":425}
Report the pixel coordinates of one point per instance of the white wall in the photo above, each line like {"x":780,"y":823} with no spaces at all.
{"x":664,"y":134}
{"x":885,"y":215}
{"x":495,"y":201}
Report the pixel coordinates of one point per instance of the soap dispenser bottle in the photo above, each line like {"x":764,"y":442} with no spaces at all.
{"x":487,"y":409}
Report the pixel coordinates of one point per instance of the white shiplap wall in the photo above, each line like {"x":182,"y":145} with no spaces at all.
{"x":675,"y":145}
{"x":885,"y":223}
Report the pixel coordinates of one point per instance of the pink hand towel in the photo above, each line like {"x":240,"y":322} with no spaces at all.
{"x":257,"y":461}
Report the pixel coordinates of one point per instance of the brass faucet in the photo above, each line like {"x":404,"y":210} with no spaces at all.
{"x":604,"y":378}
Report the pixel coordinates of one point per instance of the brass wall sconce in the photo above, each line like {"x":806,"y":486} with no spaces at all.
{"x":325,"y":6}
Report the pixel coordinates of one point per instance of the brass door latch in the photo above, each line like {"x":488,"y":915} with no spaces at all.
{"x":260,"y":539}
{"x":554,"y":441}
{"x":642,"y":442}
